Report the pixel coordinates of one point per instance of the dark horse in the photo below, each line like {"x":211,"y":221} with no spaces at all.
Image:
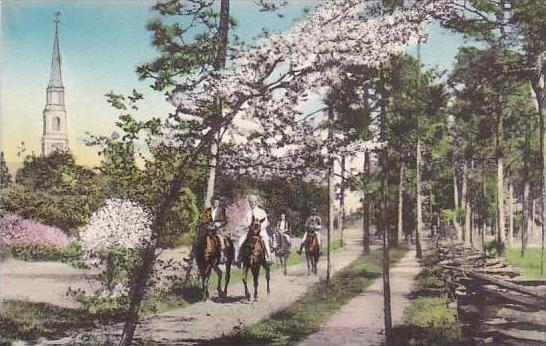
{"x":281,"y":247}
{"x":207,"y":256}
{"x":312,"y":252}
{"x":253,"y":257}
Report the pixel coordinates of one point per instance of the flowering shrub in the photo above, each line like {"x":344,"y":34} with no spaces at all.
{"x":30,"y":240}
{"x":110,"y":244}
{"x":118,"y":223}
{"x":14,"y":230}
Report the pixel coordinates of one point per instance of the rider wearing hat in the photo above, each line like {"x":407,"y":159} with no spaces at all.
{"x":213,"y":220}
{"x":313,"y":224}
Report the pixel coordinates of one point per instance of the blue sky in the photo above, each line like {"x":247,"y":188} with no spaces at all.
{"x":101,"y":44}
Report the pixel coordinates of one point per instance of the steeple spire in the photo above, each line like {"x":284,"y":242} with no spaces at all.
{"x":55,"y":119}
{"x":55,"y":79}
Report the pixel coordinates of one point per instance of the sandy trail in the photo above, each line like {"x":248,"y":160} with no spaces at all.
{"x":361,"y":321}
{"x":211,"y":319}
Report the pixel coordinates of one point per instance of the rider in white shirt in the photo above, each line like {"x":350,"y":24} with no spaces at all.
{"x":259,"y":214}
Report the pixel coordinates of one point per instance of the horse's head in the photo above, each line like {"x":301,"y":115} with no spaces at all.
{"x":255,"y":226}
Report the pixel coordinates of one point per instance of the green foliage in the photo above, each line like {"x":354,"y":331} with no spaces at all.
{"x":103,"y":308}
{"x":530,"y":262}
{"x":68,"y":212}
{"x":5,"y":176}
{"x":72,"y":255}
{"x":35,"y":252}
{"x":55,"y":191}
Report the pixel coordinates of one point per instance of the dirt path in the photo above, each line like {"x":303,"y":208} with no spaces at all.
{"x":361,"y":321}
{"x":207,"y":320}
{"x":47,"y":282}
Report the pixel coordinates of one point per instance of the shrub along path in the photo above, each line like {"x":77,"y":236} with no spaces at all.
{"x":361,"y":321}
{"x":208,"y":320}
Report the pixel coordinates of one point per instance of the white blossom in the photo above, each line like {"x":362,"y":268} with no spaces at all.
{"x":120,"y":223}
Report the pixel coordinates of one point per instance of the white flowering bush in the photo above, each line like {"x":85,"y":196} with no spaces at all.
{"x":119,"y":223}
{"x":110,"y":245}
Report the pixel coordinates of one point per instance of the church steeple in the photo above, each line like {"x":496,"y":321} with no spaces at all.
{"x":55,"y":136}
{"x":55,"y":78}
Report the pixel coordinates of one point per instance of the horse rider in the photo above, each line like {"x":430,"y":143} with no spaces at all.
{"x":283,"y":227}
{"x":313,"y":224}
{"x":259,"y":214}
{"x":213,"y":220}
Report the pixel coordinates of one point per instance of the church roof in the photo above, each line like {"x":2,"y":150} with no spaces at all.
{"x":55,"y":79}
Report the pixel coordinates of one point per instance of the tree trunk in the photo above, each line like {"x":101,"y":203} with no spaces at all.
{"x":219,"y":64}
{"x":400,"y":230}
{"x":465,"y":205}
{"x":532,"y":234}
{"x":138,"y":289}
{"x":341,"y":218}
{"x":525,"y":218}
{"x":501,"y":235}
{"x":386,"y":257}
{"x":366,"y":204}
{"x":538,"y":83}
{"x":456,"y":224}
{"x":510,"y":235}
{"x":419,"y":229}
{"x":209,"y":193}
{"x":331,"y":191}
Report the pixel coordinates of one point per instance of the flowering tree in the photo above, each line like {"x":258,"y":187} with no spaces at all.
{"x":270,"y":79}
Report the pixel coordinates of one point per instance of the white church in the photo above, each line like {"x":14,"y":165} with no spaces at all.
{"x":54,"y":135}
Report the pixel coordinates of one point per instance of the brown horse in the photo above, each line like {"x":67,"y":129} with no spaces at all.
{"x":207,"y":256}
{"x":312,"y":252}
{"x":253,"y":257}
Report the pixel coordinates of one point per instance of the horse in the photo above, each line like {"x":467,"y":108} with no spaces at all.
{"x":312,"y":252}
{"x":281,"y":247}
{"x":207,"y":256}
{"x":253,"y":257}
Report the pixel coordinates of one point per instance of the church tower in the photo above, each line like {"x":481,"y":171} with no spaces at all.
{"x":54,"y":137}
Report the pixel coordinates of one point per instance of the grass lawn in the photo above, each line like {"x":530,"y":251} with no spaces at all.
{"x":293,"y":324}
{"x":430,"y":319}
{"x":30,"y":321}
{"x":529,"y":263}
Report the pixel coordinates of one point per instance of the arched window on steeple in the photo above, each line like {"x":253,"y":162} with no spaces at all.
{"x":56,"y":125}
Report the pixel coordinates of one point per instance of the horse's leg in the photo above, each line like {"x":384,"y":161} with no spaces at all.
{"x":256,"y":277}
{"x":267,"y":269}
{"x":285,"y":264}
{"x":308,"y":258}
{"x":219,"y":284}
{"x":245,"y":276}
{"x":228,"y":276}
{"x":206,"y":276}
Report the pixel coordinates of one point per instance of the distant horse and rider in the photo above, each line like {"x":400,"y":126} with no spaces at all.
{"x":255,"y":250}
{"x":312,"y":241}
{"x":282,"y":243}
